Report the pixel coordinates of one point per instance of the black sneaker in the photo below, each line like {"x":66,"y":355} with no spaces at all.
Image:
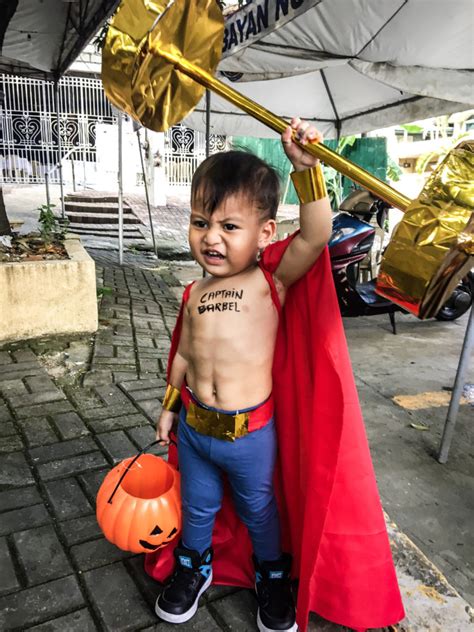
{"x":276,"y":610}
{"x":192,"y":576}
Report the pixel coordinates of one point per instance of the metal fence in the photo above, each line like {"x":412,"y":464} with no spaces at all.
{"x":185,"y":149}
{"x":29,"y":133}
{"x":29,"y":125}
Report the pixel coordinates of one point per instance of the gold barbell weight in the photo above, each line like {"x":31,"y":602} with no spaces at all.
{"x":158,"y":59}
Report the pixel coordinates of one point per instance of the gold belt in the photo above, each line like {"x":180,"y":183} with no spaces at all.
{"x":217,"y":425}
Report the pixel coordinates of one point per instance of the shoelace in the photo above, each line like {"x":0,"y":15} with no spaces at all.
{"x":185,"y":578}
{"x":274,"y":591}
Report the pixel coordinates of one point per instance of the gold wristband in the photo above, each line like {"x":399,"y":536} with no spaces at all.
{"x":172,"y":399}
{"x":309,"y":184}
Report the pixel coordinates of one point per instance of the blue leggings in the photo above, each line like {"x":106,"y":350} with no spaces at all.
{"x":249,"y":463}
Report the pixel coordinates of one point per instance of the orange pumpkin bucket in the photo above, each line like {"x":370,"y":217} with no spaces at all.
{"x":139,"y":505}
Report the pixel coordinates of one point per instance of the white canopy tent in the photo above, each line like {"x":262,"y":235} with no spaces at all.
{"x":349,"y":66}
{"x":42,"y":38}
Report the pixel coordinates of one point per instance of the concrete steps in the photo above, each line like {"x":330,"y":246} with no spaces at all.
{"x":130,"y":231}
{"x":97,"y":215}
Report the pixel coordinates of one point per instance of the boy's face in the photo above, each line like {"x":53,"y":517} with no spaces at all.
{"x":227,"y":242}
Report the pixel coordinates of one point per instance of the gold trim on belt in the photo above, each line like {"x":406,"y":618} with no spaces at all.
{"x":217,"y":425}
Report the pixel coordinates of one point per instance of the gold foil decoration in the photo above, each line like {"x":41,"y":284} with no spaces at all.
{"x":130,"y":24}
{"x":433,"y":245}
{"x":217,"y":425}
{"x":172,"y":399}
{"x":162,"y":94}
{"x":309,"y":184}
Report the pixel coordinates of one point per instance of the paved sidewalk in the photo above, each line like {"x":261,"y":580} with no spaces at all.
{"x":70,"y":408}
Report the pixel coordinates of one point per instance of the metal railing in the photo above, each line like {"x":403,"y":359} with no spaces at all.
{"x":29,"y":128}
{"x":185,"y":149}
{"x":29,"y":134}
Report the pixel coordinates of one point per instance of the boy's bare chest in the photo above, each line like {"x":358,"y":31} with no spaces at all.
{"x":223,"y":300}
{"x":232,"y":301}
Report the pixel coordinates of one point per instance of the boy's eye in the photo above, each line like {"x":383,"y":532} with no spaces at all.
{"x":199,"y":223}
{"x":230,"y":226}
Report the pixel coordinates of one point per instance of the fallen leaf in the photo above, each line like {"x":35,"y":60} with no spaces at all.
{"x":419,"y":426}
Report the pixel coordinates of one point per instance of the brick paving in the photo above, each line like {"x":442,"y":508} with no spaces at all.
{"x":58,"y":442}
{"x":61,"y":433}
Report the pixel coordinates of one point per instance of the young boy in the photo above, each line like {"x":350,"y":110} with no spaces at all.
{"x":220,"y":376}
{"x":225,"y":357}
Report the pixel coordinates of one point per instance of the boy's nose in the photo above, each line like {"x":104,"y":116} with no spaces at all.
{"x":212,"y":236}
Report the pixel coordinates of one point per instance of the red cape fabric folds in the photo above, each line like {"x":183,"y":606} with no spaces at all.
{"x":331,"y":516}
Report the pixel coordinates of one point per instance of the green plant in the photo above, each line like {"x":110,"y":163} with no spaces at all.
{"x":411,"y":128}
{"x":333,"y":185}
{"x":393,"y":170}
{"x":104,"y":291}
{"x":51,"y":226}
{"x":332,"y":177}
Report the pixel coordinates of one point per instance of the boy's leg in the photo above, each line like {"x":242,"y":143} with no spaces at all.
{"x":201,"y":487}
{"x":201,"y":493}
{"x":250,"y":465}
{"x":250,"y":471}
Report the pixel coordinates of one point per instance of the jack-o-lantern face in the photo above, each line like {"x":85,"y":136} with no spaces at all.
{"x":157,"y":531}
{"x":144,"y":514}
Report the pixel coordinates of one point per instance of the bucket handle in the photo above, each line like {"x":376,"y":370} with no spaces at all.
{"x":125,"y":472}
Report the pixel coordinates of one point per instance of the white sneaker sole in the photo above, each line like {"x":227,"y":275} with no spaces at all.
{"x":181,"y":618}
{"x":263,"y":628}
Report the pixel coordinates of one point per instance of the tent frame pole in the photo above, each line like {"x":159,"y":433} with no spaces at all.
{"x":120,"y":187}
{"x":60,"y":166}
{"x":147,"y":197}
{"x":208,"y":123}
{"x":208,"y":137}
{"x":467,"y":347}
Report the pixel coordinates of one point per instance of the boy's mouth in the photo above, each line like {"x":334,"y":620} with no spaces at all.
{"x":213,"y":254}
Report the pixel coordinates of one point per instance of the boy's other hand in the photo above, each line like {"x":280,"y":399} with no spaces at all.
{"x":164,"y":425}
{"x":305,"y":133}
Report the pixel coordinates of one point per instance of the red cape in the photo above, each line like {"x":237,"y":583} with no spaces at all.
{"x":331,"y":516}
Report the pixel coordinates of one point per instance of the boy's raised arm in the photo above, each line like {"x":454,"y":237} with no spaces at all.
{"x":315,"y":214}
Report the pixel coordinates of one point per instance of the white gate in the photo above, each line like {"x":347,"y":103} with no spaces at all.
{"x":29,"y":133}
{"x":29,"y":127}
{"x":185,"y":149}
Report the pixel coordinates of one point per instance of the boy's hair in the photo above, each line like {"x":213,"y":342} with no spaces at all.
{"x":236,"y":172}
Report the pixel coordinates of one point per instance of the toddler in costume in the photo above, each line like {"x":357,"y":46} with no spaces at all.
{"x":259,"y":379}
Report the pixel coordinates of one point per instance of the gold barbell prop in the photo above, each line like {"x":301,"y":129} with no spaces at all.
{"x":277,"y":124}
{"x":174,"y":63}
{"x":178,"y":49}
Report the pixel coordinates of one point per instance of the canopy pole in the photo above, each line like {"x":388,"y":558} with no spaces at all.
{"x":46,"y":182}
{"x":208,"y":123}
{"x":120,"y":188}
{"x":208,"y":137}
{"x":145,"y":182}
{"x":453,"y":409}
{"x":60,"y":166}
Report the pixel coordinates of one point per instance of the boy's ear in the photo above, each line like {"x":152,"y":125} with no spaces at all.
{"x":267,"y":233}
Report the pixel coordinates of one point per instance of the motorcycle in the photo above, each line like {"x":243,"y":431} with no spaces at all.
{"x":356,"y":247}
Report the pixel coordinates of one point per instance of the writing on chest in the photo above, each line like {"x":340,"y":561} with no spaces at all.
{"x":226,"y":300}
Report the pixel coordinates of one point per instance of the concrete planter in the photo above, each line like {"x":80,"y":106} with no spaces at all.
{"x":39,"y":298}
